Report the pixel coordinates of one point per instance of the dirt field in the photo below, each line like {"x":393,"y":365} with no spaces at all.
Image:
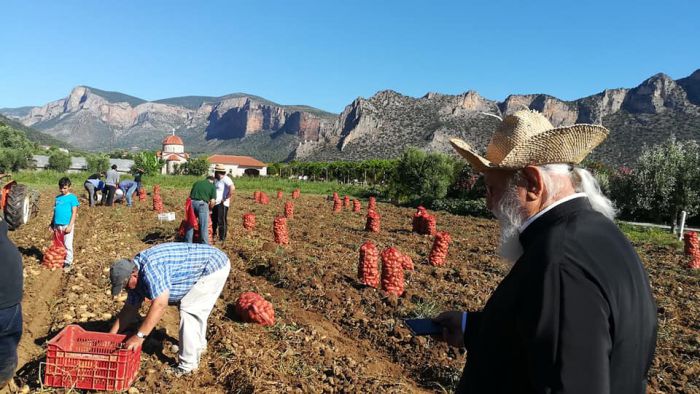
{"x":331,"y":334}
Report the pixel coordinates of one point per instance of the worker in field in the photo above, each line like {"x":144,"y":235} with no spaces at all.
{"x":219,"y":215}
{"x":575,"y":314}
{"x":128,"y":187}
{"x":111,"y":184}
{"x":184,"y":274}
{"x":92,"y":186}
{"x":11,"y":282}
{"x":203,"y":196}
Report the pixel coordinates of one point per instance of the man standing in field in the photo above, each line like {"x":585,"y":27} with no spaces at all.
{"x":575,"y":314}
{"x":203,"y":196}
{"x":111,"y":183}
{"x":224,"y":187}
{"x":189,"y":275}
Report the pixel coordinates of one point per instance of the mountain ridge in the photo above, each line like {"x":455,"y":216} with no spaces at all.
{"x":380,"y":126}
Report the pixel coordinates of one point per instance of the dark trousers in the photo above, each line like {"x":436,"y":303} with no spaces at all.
{"x":10,"y":333}
{"x":219,"y":220}
{"x":108,"y":195}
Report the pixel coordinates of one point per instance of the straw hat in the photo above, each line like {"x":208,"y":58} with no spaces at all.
{"x":527,"y":138}
{"x":219,"y":168}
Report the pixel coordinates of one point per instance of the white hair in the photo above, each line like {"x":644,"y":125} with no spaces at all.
{"x":583,"y":182}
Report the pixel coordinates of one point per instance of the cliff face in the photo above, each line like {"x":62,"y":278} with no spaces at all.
{"x":91,"y":121}
{"x":381,"y":126}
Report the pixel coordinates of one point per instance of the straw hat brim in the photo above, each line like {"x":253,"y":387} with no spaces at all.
{"x":570,"y":144}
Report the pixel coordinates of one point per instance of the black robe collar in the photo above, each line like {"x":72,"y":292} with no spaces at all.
{"x":552,"y":216}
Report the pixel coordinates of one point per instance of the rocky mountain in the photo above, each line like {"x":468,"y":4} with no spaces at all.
{"x":381,"y":126}
{"x":98,"y":120}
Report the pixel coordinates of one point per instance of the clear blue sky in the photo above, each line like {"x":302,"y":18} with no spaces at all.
{"x":326,"y":53}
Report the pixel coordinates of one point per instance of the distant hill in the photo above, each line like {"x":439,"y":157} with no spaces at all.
{"x":34,"y":135}
{"x":381,"y":126}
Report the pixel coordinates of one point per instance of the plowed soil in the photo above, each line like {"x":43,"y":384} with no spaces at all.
{"x":331,"y":333}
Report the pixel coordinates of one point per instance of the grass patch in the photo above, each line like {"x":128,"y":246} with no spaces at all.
{"x":244,"y":184}
{"x":650,"y":235}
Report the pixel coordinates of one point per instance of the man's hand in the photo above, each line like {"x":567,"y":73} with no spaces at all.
{"x":68,"y":229}
{"x":451,"y":323}
{"x":133,"y":342}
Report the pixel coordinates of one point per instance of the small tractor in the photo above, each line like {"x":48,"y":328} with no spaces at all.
{"x":18,"y":203}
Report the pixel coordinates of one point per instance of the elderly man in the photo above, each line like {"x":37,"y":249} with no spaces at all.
{"x":575,"y":314}
{"x":191,"y":275}
{"x":10,"y":307}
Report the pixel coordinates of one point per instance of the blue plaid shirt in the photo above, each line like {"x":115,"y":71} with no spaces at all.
{"x":173,"y":266}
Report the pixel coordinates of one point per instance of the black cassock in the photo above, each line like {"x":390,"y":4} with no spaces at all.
{"x":574,"y":315}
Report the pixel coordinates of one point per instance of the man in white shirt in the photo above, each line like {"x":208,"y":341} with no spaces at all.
{"x":224,"y":189}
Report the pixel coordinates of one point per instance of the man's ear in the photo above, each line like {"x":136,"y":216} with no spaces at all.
{"x":534,"y":183}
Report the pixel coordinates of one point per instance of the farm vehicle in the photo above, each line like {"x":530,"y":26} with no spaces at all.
{"x":18,"y":203}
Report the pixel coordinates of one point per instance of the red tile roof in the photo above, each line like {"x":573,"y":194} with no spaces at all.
{"x":173,"y":158}
{"x":243,"y":161}
{"x":172,"y":140}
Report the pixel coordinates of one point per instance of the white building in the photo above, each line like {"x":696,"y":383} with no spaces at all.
{"x":173,"y":153}
{"x":238,"y":165}
{"x":41,"y":162}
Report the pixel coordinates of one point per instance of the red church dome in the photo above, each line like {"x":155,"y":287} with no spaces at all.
{"x":172,"y":140}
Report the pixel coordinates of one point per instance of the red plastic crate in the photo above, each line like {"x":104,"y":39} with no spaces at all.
{"x":90,"y":360}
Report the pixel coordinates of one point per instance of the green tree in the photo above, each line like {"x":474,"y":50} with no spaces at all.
{"x":149,"y":162}
{"x":198,"y":166}
{"x":665,"y":181}
{"x":97,"y":162}
{"x":421,"y":176}
{"x":59,"y":161}
{"x":15,"y":149}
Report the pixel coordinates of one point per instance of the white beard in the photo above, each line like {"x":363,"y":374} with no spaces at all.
{"x":510,"y":217}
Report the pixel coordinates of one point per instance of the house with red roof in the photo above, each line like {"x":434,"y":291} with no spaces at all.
{"x":173,"y":154}
{"x":238,"y":165}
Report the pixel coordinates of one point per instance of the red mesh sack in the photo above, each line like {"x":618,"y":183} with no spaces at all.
{"x":279,"y":194}
{"x":55,"y":255}
{"x":157,"y":199}
{"x":392,"y":272}
{"x":346,"y":202}
{"x":372,"y":204}
{"x":373,"y":222}
{"x":289,"y":209}
{"x":337,"y":205}
{"x":429,"y":226}
{"x":256,"y":196}
{"x":407,"y":262}
{"x":356,"y":207}
{"x":692,"y":248}
{"x":335,"y":196}
{"x":142,"y":194}
{"x":438,"y":253}
{"x":249,"y":221}
{"x":279,"y":228}
{"x":253,"y":308}
{"x":418,"y":219}
{"x":367,"y":269}
{"x":264,"y":199}
{"x":296,"y":193}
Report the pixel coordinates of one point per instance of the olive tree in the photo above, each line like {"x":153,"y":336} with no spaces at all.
{"x":665,"y":181}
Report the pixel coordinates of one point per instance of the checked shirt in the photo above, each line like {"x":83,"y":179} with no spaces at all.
{"x":173,"y":266}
